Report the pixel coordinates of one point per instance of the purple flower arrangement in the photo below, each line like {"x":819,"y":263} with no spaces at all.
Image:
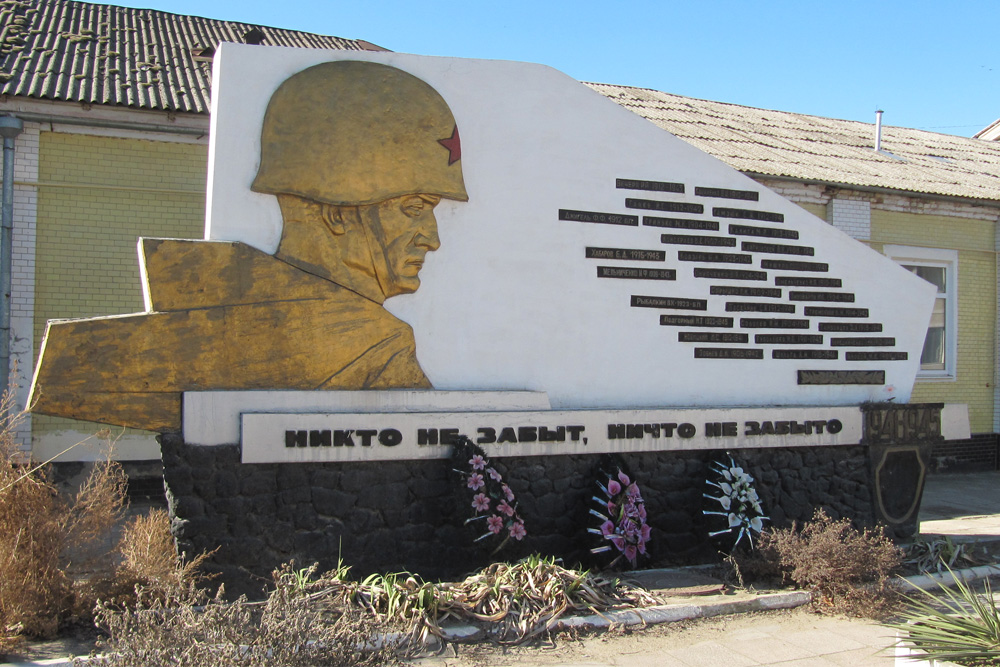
{"x":493,"y":502}
{"x":622,"y":515}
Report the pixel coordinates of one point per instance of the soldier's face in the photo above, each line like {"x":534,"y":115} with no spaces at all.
{"x":404,"y":230}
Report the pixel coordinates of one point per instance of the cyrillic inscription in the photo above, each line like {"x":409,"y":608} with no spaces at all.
{"x":804,"y":354}
{"x":599,"y":217}
{"x":727,"y":353}
{"x":825,"y":311}
{"x":636,"y":273}
{"x":717,"y":257}
{"x":696,"y":321}
{"x":876,"y":356}
{"x":657,"y":205}
{"x":807,"y":281}
{"x":772,"y":323}
{"x":686,"y":239}
{"x":633,"y":254}
{"x":639,"y":301}
{"x":887,"y":424}
{"x":777,"y":248}
{"x":737,"y":290}
{"x":785,"y":265}
{"x":850,"y":327}
{"x":845,"y":297}
{"x":752,"y":307}
{"x":729,"y":274}
{"x":680,"y":223}
{"x":763,"y":216}
{"x":841,"y":377}
{"x":765,"y":232}
{"x":723,"y":193}
{"x":871,"y":341}
{"x":788,"y":339}
{"x":653,"y":186}
{"x":711,"y":337}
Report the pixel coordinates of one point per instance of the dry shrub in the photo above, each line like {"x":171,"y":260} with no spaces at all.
{"x":293,"y":627}
{"x":55,"y":552}
{"x":150,"y":559}
{"x":848,"y":570}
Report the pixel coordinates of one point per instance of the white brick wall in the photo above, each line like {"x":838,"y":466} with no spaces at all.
{"x":851,"y":216}
{"x":22,"y":296}
{"x":812,"y":193}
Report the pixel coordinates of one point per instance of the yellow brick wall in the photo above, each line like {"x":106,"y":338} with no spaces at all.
{"x":819,"y":210}
{"x":977,"y":295}
{"x":97,"y":196}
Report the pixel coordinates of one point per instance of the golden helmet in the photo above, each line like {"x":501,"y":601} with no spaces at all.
{"x":352,"y":133}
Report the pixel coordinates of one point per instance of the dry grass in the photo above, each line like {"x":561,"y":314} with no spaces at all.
{"x":57,"y":556}
{"x":292,"y":628}
{"x":849,"y":571}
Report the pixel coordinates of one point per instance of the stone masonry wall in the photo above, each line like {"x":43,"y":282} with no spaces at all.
{"x":409,"y":515}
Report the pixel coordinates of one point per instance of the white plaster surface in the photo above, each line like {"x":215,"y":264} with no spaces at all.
{"x":213,"y":417}
{"x":509,"y":301}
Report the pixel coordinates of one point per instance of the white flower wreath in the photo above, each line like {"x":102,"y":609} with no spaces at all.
{"x":739,"y":501}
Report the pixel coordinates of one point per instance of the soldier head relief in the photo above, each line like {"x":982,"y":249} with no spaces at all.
{"x":359,"y":154}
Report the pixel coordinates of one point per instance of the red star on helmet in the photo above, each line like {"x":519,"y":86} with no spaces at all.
{"x":454,"y":146}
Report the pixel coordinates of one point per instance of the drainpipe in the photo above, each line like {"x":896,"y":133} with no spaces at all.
{"x":878,"y":130}
{"x":10,"y":127}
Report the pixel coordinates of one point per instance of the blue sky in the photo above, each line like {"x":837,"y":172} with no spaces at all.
{"x":929,"y":65}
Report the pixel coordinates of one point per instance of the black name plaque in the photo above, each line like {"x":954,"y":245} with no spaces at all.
{"x":729,"y":274}
{"x":680,"y":223}
{"x":599,"y":217}
{"x":724,"y":193}
{"x":639,"y":301}
{"x":696,"y":321}
{"x":633,"y":254}
{"x":739,"y":290}
{"x":657,"y":205}
{"x":711,"y":337}
{"x":763,"y":232}
{"x":636,"y":273}
{"x":686,"y":239}
{"x":652,"y":186}
{"x":728,"y":353}
{"x":762,"y":216}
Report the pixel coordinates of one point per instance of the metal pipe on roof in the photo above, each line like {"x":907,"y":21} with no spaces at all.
{"x":10,"y":127}
{"x":878,"y":130}
{"x":35,"y":117}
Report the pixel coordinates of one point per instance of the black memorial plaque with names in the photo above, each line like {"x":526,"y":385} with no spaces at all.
{"x":785,"y":265}
{"x":787,"y":339}
{"x":657,"y":205}
{"x":696,"y":321}
{"x":772,"y":323}
{"x":761,"y":216}
{"x":715,"y":257}
{"x":711,"y":337}
{"x":633,"y":254}
{"x":751,"y":307}
{"x":807,"y":281}
{"x":728,"y":353}
{"x":680,"y":223}
{"x":723,"y":193}
{"x":729,"y":274}
{"x":841,"y":377}
{"x":876,"y":356}
{"x":739,"y":290}
{"x":639,"y":301}
{"x":599,"y":217}
{"x":870,"y":341}
{"x":763,"y":232}
{"x":851,"y":327}
{"x":843,"y":297}
{"x":830,"y":311}
{"x":804,"y":354}
{"x":777,"y":248}
{"x":636,"y":273}
{"x":651,"y":186}
{"x":688,"y":239}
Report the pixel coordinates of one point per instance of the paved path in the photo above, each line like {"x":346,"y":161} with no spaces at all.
{"x":794,"y":638}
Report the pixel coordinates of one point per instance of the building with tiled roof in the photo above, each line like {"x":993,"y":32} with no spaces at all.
{"x":115,"y":105}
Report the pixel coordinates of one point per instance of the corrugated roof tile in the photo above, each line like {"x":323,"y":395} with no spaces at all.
{"x":90,"y":53}
{"x":781,"y":143}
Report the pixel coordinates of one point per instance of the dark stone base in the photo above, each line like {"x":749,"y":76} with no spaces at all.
{"x":409,"y":515}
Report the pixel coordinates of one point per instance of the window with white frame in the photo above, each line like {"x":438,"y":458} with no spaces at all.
{"x":940,"y":268}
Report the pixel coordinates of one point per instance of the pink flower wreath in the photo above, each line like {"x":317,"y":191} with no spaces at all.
{"x":492,"y":500}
